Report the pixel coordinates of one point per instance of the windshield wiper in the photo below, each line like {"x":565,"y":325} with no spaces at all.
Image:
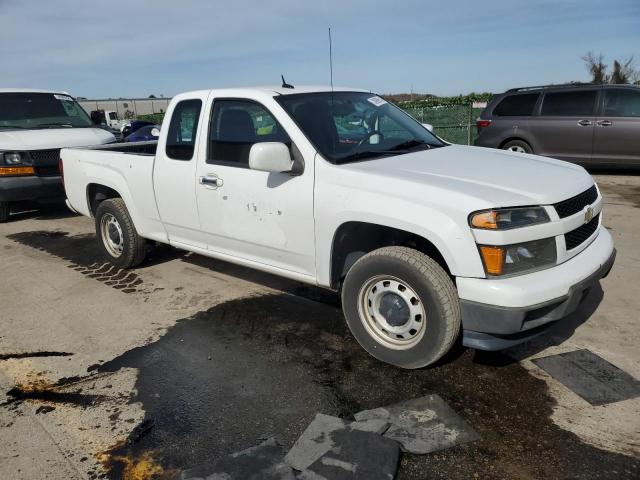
{"x":414,"y":142}
{"x":54,"y":125}
{"x":366,"y":154}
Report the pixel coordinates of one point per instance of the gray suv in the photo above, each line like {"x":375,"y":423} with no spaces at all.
{"x":593,"y":125}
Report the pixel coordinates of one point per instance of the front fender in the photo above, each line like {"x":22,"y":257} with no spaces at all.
{"x":454,"y":242}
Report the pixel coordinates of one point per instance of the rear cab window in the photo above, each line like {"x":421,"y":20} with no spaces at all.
{"x":181,"y":137}
{"x":517,"y":105}
{"x":574,"y":103}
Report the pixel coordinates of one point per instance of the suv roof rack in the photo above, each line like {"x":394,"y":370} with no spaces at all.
{"x":563,"y":85}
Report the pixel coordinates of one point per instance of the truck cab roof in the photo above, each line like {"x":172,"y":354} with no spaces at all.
{"x":275,"y":89}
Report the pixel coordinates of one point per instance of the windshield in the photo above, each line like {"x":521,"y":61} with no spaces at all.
{"x":23,"y":110}
{"x":351,"y":126}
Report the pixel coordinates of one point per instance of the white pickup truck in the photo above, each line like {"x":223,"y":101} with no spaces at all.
{"x":427,"y":242}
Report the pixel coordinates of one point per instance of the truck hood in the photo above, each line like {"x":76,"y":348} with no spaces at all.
{"x":50,"y":138}
{"x":496,"y":178}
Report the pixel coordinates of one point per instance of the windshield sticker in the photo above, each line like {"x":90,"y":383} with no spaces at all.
{"x":63,"y":97}
{"x":377,"y":101}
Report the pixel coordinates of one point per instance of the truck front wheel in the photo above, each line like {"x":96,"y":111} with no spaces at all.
{"x":4,"y":212}
{"x":401,"y":306}
{"x":117,"y":236}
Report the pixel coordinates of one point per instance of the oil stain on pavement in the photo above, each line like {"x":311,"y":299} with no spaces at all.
{"x":230,"y":377}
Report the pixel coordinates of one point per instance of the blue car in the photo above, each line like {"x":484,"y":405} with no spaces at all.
{"x":144,"y":134}
{"x":134,"y":125}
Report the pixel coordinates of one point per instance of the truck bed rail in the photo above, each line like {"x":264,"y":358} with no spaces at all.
{"x":140,"y":148}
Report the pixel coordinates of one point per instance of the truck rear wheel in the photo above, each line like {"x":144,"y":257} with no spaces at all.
{"x":117,"y":236}
{"x":4,"y":212}
{"x":401,"y":306}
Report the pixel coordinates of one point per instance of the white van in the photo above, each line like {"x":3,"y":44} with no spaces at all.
{"x":34,"y":126}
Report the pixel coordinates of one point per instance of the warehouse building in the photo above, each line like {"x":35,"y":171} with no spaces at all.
{"x":126,"y":107}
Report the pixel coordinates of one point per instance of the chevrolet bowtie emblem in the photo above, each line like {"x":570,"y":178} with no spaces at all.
{"x":588,"y":215}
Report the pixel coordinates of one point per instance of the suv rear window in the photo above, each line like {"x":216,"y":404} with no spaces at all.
{"x":516,"y":105}
{"x":569,"y":104}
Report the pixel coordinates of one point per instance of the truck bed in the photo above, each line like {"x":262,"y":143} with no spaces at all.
{"x":120,"y":167}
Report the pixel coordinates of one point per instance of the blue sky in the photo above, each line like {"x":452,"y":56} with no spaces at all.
{"x":101,"y":49}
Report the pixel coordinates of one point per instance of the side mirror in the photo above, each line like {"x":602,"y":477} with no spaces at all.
{"x":270,"y":157}
{"x":428,"y":126}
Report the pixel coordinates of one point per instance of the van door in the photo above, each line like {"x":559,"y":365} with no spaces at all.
{"x":174,"y":172}
{"x":617,"y":131}
{"x":564,"y":128}
{"x":256,"y":216}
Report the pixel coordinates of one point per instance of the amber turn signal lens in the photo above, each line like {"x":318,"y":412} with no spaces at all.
{"x":487,"y":220}
{"x":493,"y":258}
{"x":16,"y":171}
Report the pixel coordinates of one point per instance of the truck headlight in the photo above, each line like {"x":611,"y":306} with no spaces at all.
{"x":15,"y":158}
{"x":12,"y":158}
{"x":14,"y":164}
{"x":507,"y":218}
{"x":518,"y":258}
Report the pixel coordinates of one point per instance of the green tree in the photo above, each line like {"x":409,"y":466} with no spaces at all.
{"x":597,"y":68}
{"x":623,"y":72}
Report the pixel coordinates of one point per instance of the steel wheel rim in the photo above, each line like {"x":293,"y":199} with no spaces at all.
{"x":517,"y":148}
{"x":112,"y":236}
{"x":396,"y":337}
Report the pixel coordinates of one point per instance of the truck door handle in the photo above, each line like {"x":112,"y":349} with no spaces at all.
{"x":584,"y":123}
{"x":605,"y":123}
{"x":211,"y":181}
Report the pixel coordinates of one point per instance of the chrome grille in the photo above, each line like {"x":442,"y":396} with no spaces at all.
{"x":575,"y":204}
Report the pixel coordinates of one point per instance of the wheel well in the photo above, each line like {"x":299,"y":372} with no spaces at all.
{"x":511,"y":139}
{"x":96,"y":194}
{"x":352,"y":240}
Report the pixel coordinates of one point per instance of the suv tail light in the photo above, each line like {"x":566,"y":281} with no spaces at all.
{"x":482,"y":123}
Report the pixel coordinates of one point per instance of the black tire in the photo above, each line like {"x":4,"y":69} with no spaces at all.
{"x":435,"y":292}
{"x":521,"y":145}
{"x":133,"y":246}
{"x":5,"y":210}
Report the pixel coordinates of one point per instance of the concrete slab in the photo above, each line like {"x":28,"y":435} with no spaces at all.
{"x":590,"y":376}
{"x":314,"y":442}
{"x":374,"y":425}
{"x":422,"y":425}
{"x":356,"y":455}
{"x":262,"y":462}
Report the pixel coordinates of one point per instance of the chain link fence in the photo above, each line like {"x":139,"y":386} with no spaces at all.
{"x":454,"y":123}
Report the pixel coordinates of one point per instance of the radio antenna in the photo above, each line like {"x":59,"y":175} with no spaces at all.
{"x":330,"y":60}
{"x":284,"y":83}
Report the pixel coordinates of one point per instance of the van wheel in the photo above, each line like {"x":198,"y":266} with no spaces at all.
{"x":117,"y":237}
{"x":4,"y":212}
{"x":401,"y":306}
{"x":519,"y":146}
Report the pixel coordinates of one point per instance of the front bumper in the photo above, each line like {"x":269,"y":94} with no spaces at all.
{"x":553,"y":294}
{"x":14,"y":189}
